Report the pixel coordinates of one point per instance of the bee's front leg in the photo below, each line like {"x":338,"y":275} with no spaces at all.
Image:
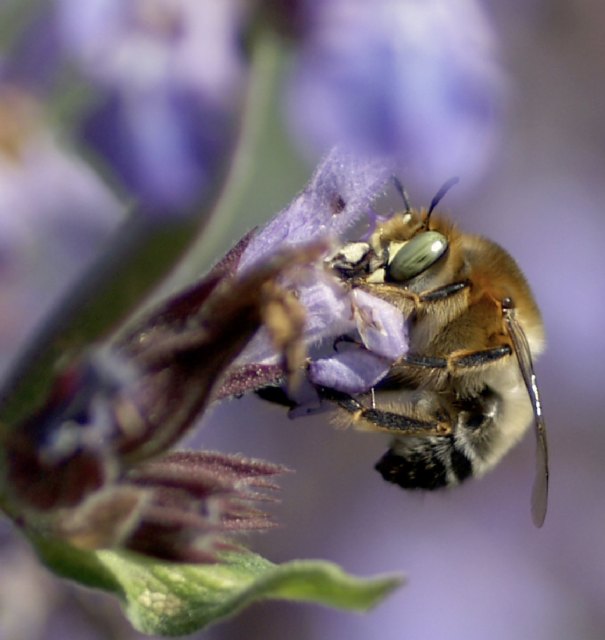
{"x":445,"y":292}
{"x":446,"y":302}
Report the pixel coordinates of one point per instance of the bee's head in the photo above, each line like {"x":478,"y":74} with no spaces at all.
{"x":425,"y":247}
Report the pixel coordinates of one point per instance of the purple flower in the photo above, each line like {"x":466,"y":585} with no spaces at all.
{"x":419,"y":80}
{"x":169,"y":74}
{"x":163,"y":143}
{"x":334,"y":207}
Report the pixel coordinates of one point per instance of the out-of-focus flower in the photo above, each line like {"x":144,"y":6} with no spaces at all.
{"x":54,"y":214}
{"x":91,"y":465}
{"x":418,"y":79}
{"x":169,"y":72}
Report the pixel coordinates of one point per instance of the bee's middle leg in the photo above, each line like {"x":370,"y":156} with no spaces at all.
{"x":460,"y":361}
{"x":391,"y":422}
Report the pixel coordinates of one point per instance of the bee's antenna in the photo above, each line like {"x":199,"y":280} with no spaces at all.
{"x":439,"y":196}
{"x":402,"y":192}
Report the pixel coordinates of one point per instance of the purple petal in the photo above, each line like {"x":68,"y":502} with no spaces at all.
{"x":338,"y":195}
{"x":353,"y":371}
{"x":328,"y":314}
{"x":328,"y":308}
{"x":380,"y":324}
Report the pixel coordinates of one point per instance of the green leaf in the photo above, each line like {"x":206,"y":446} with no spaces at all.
{"x":171,"y":599}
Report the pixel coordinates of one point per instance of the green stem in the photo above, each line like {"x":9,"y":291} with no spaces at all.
{"x":15,"y":17}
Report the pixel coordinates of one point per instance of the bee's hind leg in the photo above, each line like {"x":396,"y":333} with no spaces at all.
{"x":432,"y":461}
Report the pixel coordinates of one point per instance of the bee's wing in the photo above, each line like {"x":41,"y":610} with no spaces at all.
{"x":539,"y":498}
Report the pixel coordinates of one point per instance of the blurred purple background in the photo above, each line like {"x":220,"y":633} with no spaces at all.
{"x":476,"y":567}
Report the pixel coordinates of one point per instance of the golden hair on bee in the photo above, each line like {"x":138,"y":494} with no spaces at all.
{"x":466,"y":391}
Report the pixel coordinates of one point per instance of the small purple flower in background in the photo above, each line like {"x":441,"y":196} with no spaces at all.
{"x":54,"y":215}
{"x":416,"y":79}
{"x":170,"y":74}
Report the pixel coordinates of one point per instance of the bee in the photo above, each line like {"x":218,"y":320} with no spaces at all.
{"x":466,"y":391}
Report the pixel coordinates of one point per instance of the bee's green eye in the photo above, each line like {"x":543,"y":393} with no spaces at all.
{"x":415,"y":256}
